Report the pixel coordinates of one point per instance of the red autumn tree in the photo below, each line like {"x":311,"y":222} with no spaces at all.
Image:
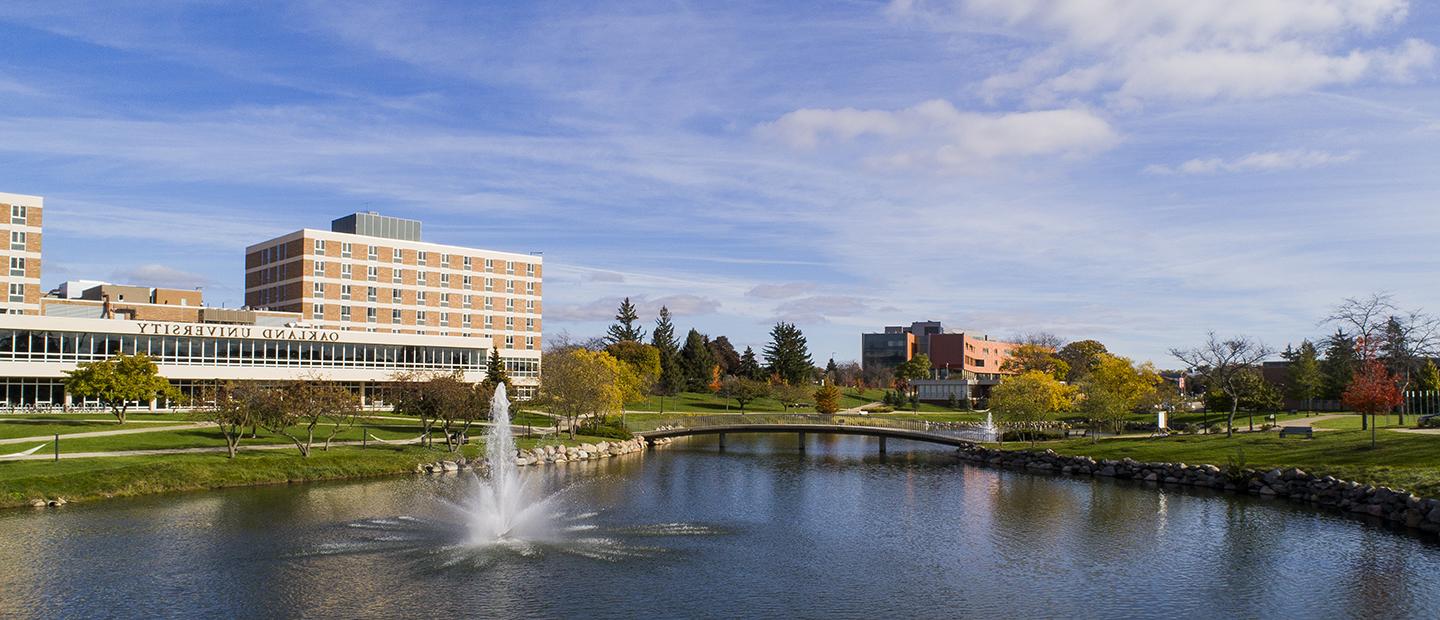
{"x":1372,"y":392}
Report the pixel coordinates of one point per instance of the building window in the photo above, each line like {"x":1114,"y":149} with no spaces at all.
{"x":467,"y":263}
{"x":396,"y":255}
{"x":510,"y":267}
{"x":489,"y":284}
{"x":530,"y":306}
{"x":444,"y":279}
{"x":373,"y":253}
{"x":319,"y":246}
{"x":509,"y":342}
{"x":510,"y":304}
{"x":419,"y":297}
{"x":489,"y":303}
{"x":372,"y":273}
{"x":17,"y":239}
{"x":467,"y":301}
{"x":445,"y":299}
{"x":344,"y":313}
{"x":530,"y":269}
{"x":395,"y":296}
{"x":344,"y":250}
{"x":370,"y":294}
{"x":319,"y":290}
{"x":421,"y":277}
{"x":489,"y":265}
{"x":345,"y":271}
{"x":317,"y":311}
{"x":509,"y":286}
{"x":465,"y":282}
{"x":395,"y":315}
{"x":445,"y":261}
{"x":529,"y":288}
{"x":370,"y":315}
{"x":422,"y":257}
{"x":17,"y":292}
{"x":420,"y":317}
{"x":444,"y":319}
{"x":489,"y":321}
{"x":529,"y":325}
{"x":320,"y":268}
{"x":397,"y":276}
{"x":17,"y":266}
{"x":344,"y":291}
{"x":17,"y":214}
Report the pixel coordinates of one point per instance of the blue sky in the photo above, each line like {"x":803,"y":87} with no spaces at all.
{"x":1135,"y":171}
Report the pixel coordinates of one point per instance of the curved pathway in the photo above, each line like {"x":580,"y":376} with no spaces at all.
{"x":1310,"y":421}
{"x":118,"y":431}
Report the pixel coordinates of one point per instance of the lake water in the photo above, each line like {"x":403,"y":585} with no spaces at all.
{"x":760,"y":529}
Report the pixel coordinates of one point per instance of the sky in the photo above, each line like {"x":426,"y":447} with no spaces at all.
{"x":1139,"y":172}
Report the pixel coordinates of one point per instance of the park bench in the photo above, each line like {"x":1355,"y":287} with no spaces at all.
{"x":1077,"y":432}
{"x":1306,"y":431}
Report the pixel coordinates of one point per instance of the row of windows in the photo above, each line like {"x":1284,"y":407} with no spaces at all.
{"x":281,"y":272}
{"x":50,"y":346}
{"x":446,"y":319}
{"x":279,"y":253}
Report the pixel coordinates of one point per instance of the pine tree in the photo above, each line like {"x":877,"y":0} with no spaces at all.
{"x":495,"y":370}
{"x":831,"y":369}
{"x":725,"y":355}
{"x":625,"y":328}
{"x":1306,"y":380}
{"x":1339,"y":365}
{"x":749,"y":367}
{"x":672,"y":378}
{"x":696,"y":363}
{"x":788,"y":355}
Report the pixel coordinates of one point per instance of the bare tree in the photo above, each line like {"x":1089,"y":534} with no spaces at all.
{"x":1222,"y":363}
{"x":1402,"y":339}
{"x":1043,"y":339}
{"x":1366,"y":318}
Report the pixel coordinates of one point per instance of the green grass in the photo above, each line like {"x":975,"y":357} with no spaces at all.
{"x":1352,"y":422}
{"x":98,"y":478}
{"x":10,"y":429}
{"x":1401,"y":460}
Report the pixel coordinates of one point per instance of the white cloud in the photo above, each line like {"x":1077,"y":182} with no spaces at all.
{"x":1138,"y":50}
{"x":159,"y":275}
{"x":936,"y":134}
{"x":1295,"y":159}
{"x":785,"y":290}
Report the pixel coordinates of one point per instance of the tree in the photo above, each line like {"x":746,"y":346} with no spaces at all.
{"x":495,"y":371}
{"x":639,"y":366}
{"x":1409,"y":341}
{"x":848,"y":374}
{"x":119,"y":381}
{"x":695,"y":362}
{"x":788,"y":355}
{"x":878,"y":376}
{"x":672,"y":377}
{"x":1024,"y":400}
{"x":724,"y":355}
{"x":831,"y":368}
{"x":1338,"y":368}
{"x":1044,"y":340}
{"x":1306,"y":380}
{"x":1026,"y":357}
{"x":749,"y":367}
{"x":457,"y":405}
{"x":744,"y":390}
{"x":1255,"y":395}
{"x":307,"y":403}
{"x":915,"y":368}
{"x":1222,"y":364}
{"x":827,"y":399}
{"x":624,"y":327}
{"x":407,"y":395}
{"x":1081,"y":356}
{"x":233,"y":407}
{"x":1428,"y":380}
{"x":581,"y":383}
{"x":1114,"y":388}
{"x":1372,"y":392}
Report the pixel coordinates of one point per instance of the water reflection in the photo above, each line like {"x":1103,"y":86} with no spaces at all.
{"x":758,"y":530}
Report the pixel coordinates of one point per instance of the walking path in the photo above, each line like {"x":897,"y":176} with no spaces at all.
{"x":118,"y":431}
{"x":278,"y":446}
{"x":1310,"y":421}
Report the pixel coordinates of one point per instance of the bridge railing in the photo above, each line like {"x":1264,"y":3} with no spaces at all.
{"x":958,"y":429}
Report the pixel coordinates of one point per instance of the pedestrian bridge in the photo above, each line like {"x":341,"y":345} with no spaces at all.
{"x":949,"y":434}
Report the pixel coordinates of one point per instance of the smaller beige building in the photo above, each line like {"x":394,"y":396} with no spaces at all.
{"x":20,"y":218}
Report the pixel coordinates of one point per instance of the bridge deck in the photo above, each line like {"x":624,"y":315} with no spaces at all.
{"x":837,"y":429}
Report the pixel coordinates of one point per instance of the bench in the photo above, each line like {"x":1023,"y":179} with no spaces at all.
{"x":1306,"y":431}
{"x":1077,"y":432}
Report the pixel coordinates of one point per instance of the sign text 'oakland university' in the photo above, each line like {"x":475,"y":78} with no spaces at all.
{"x":239,"y":331}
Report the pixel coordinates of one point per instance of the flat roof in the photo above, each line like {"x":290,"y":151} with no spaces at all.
{"x":330,"y":234}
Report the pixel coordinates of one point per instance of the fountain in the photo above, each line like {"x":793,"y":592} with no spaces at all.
{"x":989,"y":432}
{"x":504,"y":507}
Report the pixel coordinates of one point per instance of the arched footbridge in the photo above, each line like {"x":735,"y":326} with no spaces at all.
{"x":949,"y":434}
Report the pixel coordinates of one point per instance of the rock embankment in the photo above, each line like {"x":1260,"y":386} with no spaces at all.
{"x":1394,"y":505}
{"x":541,"y":455}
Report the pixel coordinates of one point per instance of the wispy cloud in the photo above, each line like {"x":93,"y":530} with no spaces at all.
{"x":1265,"y":161}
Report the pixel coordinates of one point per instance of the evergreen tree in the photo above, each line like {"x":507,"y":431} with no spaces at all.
{"x":696,"y":364}
{"x":1339,"y":365}
{"x":495,"y":370}
{"x":831,"y":369}
{"x":625,"y":328}
{"x":672,"y":379}
{"x":749,"y":367}
{"x":1306,"y":380}
{"x":788,"y":355}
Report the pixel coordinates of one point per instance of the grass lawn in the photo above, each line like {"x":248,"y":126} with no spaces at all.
{"x":1401,"y":460}
{"x":97,"y":478}
{"x":1352,"y":422}
{"x":10,"y":429}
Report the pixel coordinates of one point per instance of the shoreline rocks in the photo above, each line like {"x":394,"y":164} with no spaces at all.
{"x":1395,"y":506}
{"x":548,"y":454}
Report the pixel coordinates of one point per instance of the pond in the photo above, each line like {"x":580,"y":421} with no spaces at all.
{"x":759,"y":529}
